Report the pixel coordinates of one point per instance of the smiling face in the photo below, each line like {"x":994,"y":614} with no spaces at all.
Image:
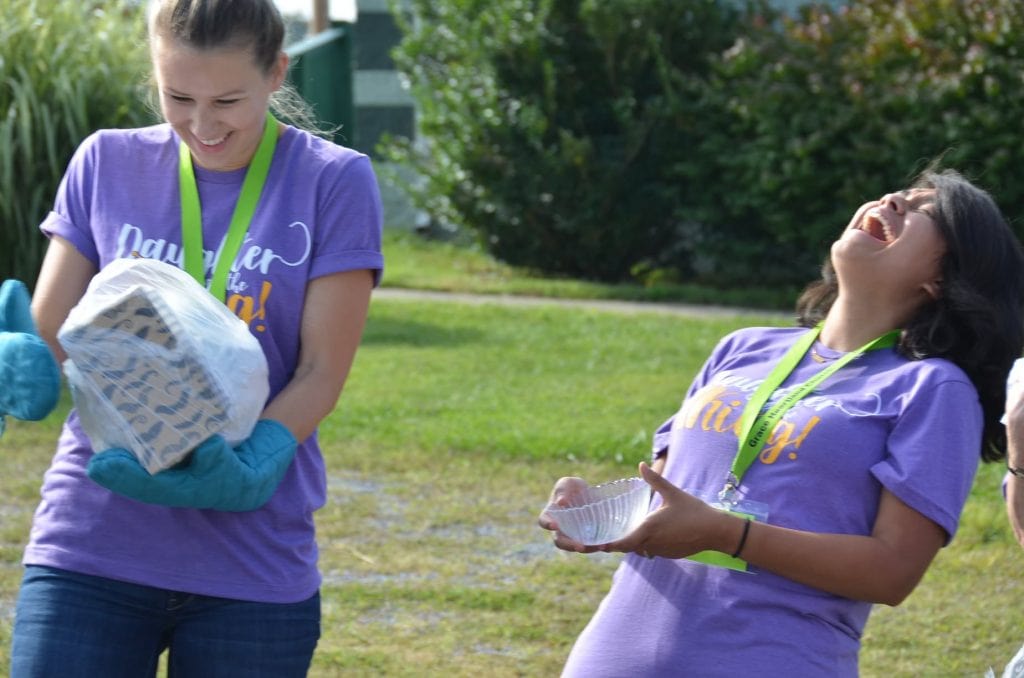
{"x":215,"y":99}
{"x":894,"y":245}
{"x":886,"y":219}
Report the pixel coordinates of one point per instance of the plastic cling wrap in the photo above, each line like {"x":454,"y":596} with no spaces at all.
{"x":156,"y":365}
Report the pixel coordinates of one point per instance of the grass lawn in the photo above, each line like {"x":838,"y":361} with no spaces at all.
{"x":418,"y":263}
{"x":454,"y":424}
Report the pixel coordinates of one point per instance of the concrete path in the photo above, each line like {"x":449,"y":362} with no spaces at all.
{"x":693,"y":310}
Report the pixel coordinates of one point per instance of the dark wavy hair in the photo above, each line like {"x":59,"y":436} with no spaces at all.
{"x":978,"y":320}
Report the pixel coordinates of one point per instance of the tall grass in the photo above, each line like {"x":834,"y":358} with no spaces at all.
{"x":67,"y":67}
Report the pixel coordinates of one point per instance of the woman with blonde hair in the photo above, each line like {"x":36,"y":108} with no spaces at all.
{"x":214,"y":560}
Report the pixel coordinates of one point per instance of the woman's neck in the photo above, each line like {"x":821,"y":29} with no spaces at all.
{"x":849,"y":325}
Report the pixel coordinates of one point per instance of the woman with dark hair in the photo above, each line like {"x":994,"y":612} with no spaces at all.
{"x":814,"y":471}
{"x":215,"y":559}
{"x":975,"y":322}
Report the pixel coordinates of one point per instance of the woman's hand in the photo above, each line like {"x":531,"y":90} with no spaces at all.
{"x":681,"y":526}
{"x":567,"y":492}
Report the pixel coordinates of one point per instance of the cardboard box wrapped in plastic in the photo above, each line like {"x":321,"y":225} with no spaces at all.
{"x":156,"y":365}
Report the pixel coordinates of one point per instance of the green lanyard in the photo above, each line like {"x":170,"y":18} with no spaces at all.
{"x":192,"y":219}
{"x":756,"y":426}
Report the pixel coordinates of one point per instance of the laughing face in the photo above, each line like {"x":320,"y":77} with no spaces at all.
{"x":215,"y":99}
{"x":894,"y":240}
{"x":886,"y":219}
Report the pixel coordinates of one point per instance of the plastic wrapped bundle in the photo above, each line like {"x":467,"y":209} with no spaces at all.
{"x":156,"y":365}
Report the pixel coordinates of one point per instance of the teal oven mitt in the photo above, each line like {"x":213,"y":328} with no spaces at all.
{"x":29,"y":375}
{"x":213,"y":476}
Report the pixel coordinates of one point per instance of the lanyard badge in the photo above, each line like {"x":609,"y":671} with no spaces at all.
{"x":192,"y":219}
{"x":757,"y":424}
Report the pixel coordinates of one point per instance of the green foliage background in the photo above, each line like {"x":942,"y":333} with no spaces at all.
{"x":66,"y":68}
{"x":708,"y":141}
{"x":548,"y":125}
{"x":836,"y":107}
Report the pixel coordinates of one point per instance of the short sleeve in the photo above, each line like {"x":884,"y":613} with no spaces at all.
{"x":351,"y":222}
{"x":70,"y":217}
{"x":659,"y":445}
{"x":933,"y":452}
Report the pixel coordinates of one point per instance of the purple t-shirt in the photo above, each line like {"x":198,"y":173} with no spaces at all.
{"x":911,"y":427}
{"x":319,"y":214}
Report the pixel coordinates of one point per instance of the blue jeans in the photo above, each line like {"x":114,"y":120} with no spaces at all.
{"x":78,"y":626}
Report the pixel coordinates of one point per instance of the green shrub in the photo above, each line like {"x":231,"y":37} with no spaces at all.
{"x":708,"y":144}
{"x":549,"y":127}
{"x":838,"y":106}
{"x":67,"y":67}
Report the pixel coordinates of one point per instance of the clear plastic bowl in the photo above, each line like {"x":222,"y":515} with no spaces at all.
{"x":605,"y":512}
